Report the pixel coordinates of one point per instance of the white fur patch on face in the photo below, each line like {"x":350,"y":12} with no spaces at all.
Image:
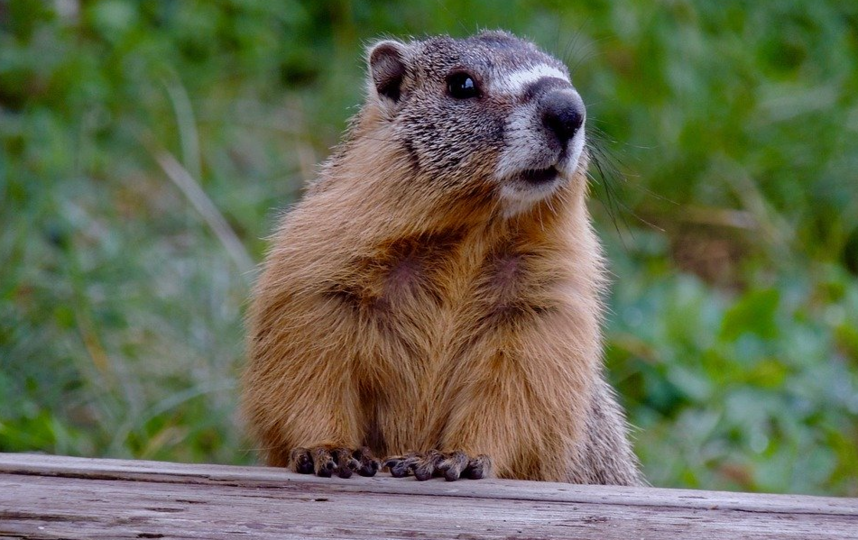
{"x":523,"y":142}
{"x":524,"y":146}
{"x":576,"y":147}
{"x":517,"y":81}
{"x":518,"y":199}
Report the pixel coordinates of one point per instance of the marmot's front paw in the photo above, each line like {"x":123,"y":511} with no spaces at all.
{"x":329,"y":460}
{"x":451,"y":466}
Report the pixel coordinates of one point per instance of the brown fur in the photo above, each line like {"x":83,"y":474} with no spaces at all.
{"x":406,"y":314}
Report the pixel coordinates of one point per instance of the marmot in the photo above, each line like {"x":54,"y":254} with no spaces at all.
{"x":435,"y":298}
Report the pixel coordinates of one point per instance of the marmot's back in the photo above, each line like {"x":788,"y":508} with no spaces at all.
{"x":435,"y":298}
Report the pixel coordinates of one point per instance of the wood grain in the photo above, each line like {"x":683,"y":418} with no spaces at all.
{"x":52,"y":497}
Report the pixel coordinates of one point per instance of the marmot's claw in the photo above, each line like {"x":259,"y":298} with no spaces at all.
{"x":401,"y":465}
{"x":300,"y":461}
{"x":451,"y":466}
{"x":454,"y":465}
{"x":478,"y":468}
{"x":425,"y":468}
{"x":367,"y":465}
{"x":325,"y":461}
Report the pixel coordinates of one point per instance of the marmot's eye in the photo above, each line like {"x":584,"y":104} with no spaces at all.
{"x":462,"y":86}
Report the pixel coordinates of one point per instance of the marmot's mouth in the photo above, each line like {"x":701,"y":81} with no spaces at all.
{"x":539,"y":176}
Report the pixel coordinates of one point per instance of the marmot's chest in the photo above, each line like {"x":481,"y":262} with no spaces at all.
{"x":433,"y":292}
{"x":439,"y":312}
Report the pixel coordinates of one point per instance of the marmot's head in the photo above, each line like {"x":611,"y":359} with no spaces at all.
{"x":491,"y":109}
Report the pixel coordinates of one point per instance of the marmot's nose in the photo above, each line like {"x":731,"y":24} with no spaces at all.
{"x":563,"y":114}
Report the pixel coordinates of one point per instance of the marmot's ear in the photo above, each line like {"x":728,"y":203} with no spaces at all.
{"x":387,"y":68}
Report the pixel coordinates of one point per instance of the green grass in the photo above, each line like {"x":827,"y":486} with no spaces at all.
{"x":731,"y":222}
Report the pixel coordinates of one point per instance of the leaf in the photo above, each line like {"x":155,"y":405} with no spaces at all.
{"x":754,"y":313}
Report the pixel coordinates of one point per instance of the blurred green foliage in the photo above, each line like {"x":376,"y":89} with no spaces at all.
{"x":729,"y":209}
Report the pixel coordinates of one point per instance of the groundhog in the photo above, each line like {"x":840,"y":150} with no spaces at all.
{"x":435,"y":298}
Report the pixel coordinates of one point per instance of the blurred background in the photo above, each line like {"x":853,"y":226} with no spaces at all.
{"x":146,"y":147}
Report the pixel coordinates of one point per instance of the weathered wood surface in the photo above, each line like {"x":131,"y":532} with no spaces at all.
{"x":51,"y":497}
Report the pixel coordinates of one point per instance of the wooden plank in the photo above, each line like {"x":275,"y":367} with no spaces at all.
{"x":51,"y":497}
